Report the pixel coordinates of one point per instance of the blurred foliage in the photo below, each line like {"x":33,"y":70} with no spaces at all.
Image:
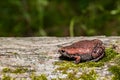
{"x":59,"y":17}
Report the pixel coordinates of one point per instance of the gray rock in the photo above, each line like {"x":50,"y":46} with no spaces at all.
{"x":38,"y":54}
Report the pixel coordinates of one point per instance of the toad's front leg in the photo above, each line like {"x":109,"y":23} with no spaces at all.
{"x":77,"y":59}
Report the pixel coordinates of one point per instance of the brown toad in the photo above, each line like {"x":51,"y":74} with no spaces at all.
{"x":85,"y":50}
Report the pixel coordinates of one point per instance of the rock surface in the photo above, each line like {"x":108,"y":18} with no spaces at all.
{"x":38,"y":54}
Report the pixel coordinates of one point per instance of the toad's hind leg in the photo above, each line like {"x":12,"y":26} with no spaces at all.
{"x":98,"y":52}
{"x":97,"y":59}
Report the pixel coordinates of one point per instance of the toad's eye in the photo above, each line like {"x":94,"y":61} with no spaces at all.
{"x":61,"y":51}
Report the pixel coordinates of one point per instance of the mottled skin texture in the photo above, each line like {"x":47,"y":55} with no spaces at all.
{"x":86,"y":50}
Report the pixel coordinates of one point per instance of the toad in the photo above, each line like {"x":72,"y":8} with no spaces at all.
{"x":85,"y":50}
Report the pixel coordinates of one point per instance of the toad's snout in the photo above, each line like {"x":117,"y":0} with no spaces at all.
{"x":63,"y":53}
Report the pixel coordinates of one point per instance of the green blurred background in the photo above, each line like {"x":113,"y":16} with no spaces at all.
{"x":59,"y":17}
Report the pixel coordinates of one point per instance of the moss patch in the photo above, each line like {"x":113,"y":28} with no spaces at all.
{"x":109,"y":55}
{"x":117,"y":60}
{"x":92,"y":75}
{"x":32,"y":77}
{"x":116,"y":71}
{"x":6,"y":70}
{"x":6,"y":77}
{"x":19,"y":70}
{"x":41,"y":77}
